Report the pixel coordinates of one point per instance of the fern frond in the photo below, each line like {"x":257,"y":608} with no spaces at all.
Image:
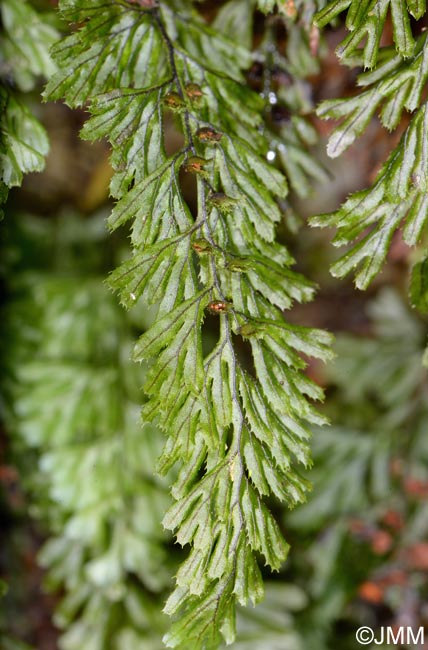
{"x":418,"y":290}
{"x":398,"y":197}
{"x":27,"y":39}
{"x":394,"y":87}
{"x":363,"y":462}
{"x":25,"y":143}
{"x":236,"y":434}
{"x":367,"y":220}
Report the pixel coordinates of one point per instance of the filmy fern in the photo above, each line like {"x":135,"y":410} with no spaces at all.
{"x":236,"y":429}
{"x":368,"y":219}
{"x":24,"y":59}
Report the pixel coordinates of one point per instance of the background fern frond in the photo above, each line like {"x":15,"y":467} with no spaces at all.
{"x":73,"y":398}
{"x":24,"y":57}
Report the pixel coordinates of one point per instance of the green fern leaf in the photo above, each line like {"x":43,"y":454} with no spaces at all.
{"x":394,"y":86}
{"x":26,"y":41}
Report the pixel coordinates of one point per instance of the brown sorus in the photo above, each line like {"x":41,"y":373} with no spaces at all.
{"x":371,"y":592}
{"x":173,"y":100}
{"x":207,"y":134}
{"x":201,"y":246}
{"x":195,"y":165}
{"x":193,"y":91}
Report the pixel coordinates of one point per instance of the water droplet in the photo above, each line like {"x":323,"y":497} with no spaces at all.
{"x":273,"y":99}
{"x":271,"y":155}
{"x":133,"y":296}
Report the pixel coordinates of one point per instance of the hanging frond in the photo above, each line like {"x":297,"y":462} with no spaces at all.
{"x":237,"y":433}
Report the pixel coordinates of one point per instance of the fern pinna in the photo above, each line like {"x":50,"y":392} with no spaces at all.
{"x":236,"y":429}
